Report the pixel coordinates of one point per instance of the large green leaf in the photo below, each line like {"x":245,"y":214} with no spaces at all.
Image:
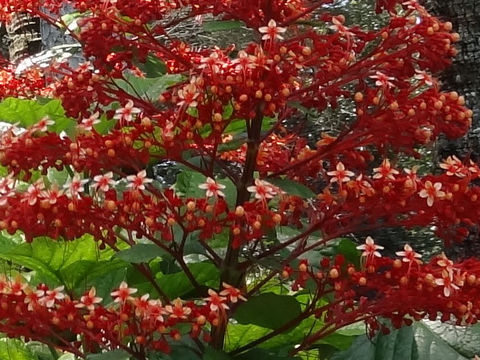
{"x":153,"y":67}
{"x":425,"y":340}
{"x":293,"y":188}
{"x":256,"y":354}
{"x":76,"y":264}
{"x":268,"y":310}
{"x":217,"y":25}
{"x":189,"y":180}
{"x":213,"y":354}
{"x":140,"y":253}
{"x":28,"y":112}
{"x":178,"y":284}
{"x":148,"y":88}
{"x":395,"y":346}
{"x":179,"y":351}
{"x":14,"y":349}
{"x":111,"y":355}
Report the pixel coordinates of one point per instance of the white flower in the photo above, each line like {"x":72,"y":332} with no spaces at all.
{"x":75,"y":187}
{"x":213,"y":188}
{"x":126,"y":113}
{"x":369,"y":248}
{"x":43,"y":124}
{"x":408,"y":254}
{"x":178,"y":310}
{"x":263,"y":190}
{"x":272,"y":31}
{"x":137,"y":182}
{"x":382,"y":79}
{"x":34,"y":191}
{"x":385,"y":171}
{"x":424,"y":77}
{"x":340,"y":174}
{"x":51,"y":296}
{"x":89,"y":300}
{"x":431,"y":192}
{"x":103,"y":182}
{"x":188,"y":94}
{"x":448,"y":285}
{"x":123,"y":293}
{"x":87,"y":123}
{"x":454,"y":166}
{"x":52,"y":194}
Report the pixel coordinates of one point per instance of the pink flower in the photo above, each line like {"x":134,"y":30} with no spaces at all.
{"x":123,"y":293}
{"x":382,"y":80}
{"x":448,"y":285}
{"x":137,"y":182}
{"x":17,"y":286}
{"x":408,"y":254}
{"x":75,"y":187}
{"x":453,"y":166}
{"x":233,"y":293}
{"x":424,"y":78}
{"x":216,"y":301}
{"x":272,"y":31}
{"x":103,"y":182}
{"x":213,"y":188}
{"x":51,"y":296}
{"x":126,"y":113}
{"x":32,"y":298}
{"x":262,"y":190}
{"x":52,"y":195}
{"x":188,"y":95}
{"x":178,"y":310}
{"x":385,"y":171}
{"x":43,"y":124}
{"x":431,"y":192}
{"x":34,"y":191}
{"x":89,"y":300}
{"x":340,"y":174}
{"x":369,"y":248}
{"x":87,"y":123}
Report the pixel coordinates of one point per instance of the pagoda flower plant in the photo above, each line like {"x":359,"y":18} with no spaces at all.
{"x":247,"y":252}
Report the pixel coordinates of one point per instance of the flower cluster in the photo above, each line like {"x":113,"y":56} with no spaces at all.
{"x":54,"y":317}
{"x":234,"y":117}
{"x":438,"y":289}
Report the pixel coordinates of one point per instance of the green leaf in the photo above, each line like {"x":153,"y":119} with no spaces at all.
{"x":268,"y":310}
{"x":236,"y":126}
{"x":179,"y":352}
{"x":188,"y":181}
{"x":58,"y":177}
{"x":293,"y":188}
{"x":227,"y":111}
{"x":148,"y":88}
{"x":154,"y":67}
{"x":111,"y":355}
{"x":239,"y":335}
{"x":216,"y":25}
{"x":67,"y":357}
{"x":28,"y":112}
{"x":178,"y":284}
{"x":424,"y":340}
{"x":76,"y":264}
{"x":348,"y":248}
{"x":71,"y":17}
{"x":213,"y":354}
{"x":105,"y":125}
{"x":256,"y":354}
{"x":140,"y":253}
{"x":232,"y":144}
{"x":13,"y":349}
